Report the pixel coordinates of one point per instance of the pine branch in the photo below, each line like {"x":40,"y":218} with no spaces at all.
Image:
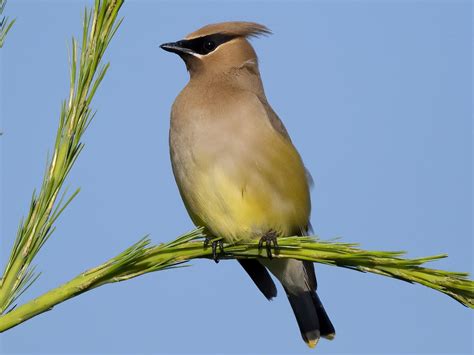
{"x":141,"y":258}
{"x":99,"y":26}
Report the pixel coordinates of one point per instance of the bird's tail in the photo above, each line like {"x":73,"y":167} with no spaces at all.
{"x":299,"y":281}
{"x":311,"y":317}
{"x":325,"y":326}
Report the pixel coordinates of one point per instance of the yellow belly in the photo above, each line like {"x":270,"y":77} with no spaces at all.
{"x":240,"y":196}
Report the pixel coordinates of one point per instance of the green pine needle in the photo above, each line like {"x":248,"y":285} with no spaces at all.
{"x":87,"y":72}
{"x":5,"y":23}
{"x":141,"y":258}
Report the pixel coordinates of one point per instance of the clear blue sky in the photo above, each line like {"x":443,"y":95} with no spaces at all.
{"x":377,"y":98}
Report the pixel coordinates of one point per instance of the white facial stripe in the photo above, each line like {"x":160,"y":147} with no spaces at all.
{"x":197,"y":55}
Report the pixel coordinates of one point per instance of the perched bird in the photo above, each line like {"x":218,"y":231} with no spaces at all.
{"x":236,"y":168}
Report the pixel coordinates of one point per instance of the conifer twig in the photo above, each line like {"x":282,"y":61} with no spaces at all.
{"x":87,"y":72}
{"x":142,"y":258}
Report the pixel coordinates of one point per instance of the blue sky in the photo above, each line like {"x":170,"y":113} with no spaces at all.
{"x":377,"y":98}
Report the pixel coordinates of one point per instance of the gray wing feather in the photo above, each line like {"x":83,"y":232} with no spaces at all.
{"x":278,"y":126}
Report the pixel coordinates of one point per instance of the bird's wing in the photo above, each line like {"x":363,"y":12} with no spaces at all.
{"x":276,"y":122}
{"x":278,"y":125}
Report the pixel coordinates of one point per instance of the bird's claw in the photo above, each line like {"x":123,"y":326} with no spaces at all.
{"x":268,"y":238}
{"x":214,"y":244}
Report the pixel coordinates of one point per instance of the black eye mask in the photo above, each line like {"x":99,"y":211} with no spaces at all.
{"x":206,"y":44}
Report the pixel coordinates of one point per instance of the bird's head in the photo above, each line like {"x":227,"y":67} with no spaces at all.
{"x":218,"y":48}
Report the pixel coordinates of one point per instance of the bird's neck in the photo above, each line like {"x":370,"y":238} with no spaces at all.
{"x":245,"y":77}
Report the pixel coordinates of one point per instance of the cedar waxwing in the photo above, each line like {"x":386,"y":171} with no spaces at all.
{"x":236,"y":168}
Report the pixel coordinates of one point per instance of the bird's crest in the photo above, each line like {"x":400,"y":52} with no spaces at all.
{"x":235,"y":28}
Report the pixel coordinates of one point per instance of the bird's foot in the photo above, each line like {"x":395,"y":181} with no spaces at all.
{"x":268,"y":238}
{"x":214,"y":244}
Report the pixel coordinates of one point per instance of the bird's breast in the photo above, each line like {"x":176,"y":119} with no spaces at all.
{"x":237,"y":176}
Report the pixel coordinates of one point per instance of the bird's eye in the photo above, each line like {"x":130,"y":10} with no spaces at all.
{"x":209,"y":45}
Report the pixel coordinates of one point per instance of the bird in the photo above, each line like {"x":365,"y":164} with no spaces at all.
{"x":236,"y":167}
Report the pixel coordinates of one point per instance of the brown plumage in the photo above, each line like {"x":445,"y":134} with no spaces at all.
{"x":236,"y":28}
{"x":236,"y":168}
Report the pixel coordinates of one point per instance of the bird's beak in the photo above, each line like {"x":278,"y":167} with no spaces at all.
{"x":176,"y":47}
